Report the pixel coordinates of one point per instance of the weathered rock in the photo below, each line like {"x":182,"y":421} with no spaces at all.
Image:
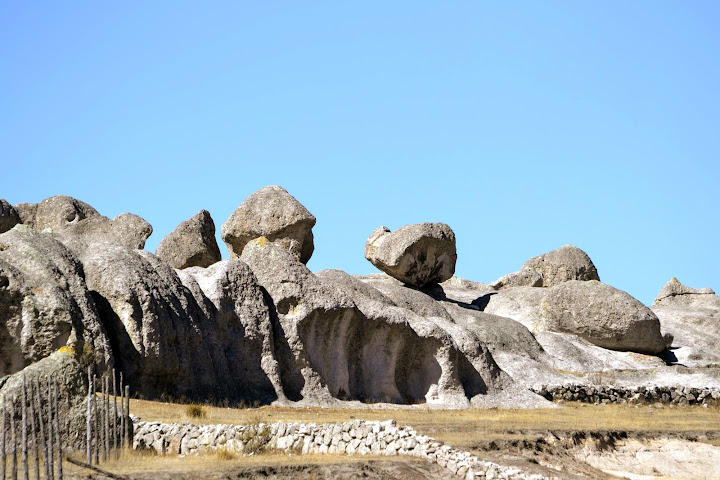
{"x":9,"y":217}
{"x":417,"y":254}
{"x":26,"y":212}
{"x":692,"y":317}
{"x":191,"y":244}
{"x":552,"y":268}
{"x":78,"y":225}
{"x":273,"y":213}
{"x":675,"y":293}
{"x":205,"y":335}
{"x":64,"y":368}
{"x":45,"y":303}
{"x":604,"y":316}
{"x":240,"y":327}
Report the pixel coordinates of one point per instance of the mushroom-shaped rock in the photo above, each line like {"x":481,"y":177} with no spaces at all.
{"x":419,"y":254}
{"x":604,"y":316}
{"x":552,"y":268}
{"x":45,"y":303}
{"x":273,"y":213}
{"x":191,"y":244}
{"x":9,"y":217}
{"x":78,"y":225}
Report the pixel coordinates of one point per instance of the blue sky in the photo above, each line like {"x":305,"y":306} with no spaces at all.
{"x":523,"y":125}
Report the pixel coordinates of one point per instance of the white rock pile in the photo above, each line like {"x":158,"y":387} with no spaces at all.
{"x":356,"y":437}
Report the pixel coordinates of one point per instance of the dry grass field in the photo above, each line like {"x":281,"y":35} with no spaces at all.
{"x":479,"y":431}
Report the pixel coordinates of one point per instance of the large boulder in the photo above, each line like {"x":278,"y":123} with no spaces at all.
{"x":552,"y":268}
{"x":597,"y":313}
{"x":419,"y":254}
{"x":273,"y":213}
{"x":191,"y":244}
{"x":45,"y":303}
{"x":675,"y":293}
{"x":604,"y":316}
{"x":78,"y":225}
{"x":9,"y":217}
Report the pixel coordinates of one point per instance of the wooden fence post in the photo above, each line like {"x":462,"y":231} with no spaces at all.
{"x":96,"y":435}
{"x":127,"y":417}
{"x":106,"y":406}
{"x":33,"y":430}
{"x":41,"y":421}
{"x":89,"y":418}
{"x":122,"y":413}
{"x":24,"y":436}
{"x":115,"y":412}
{"x":13,"y":449}
{"x":58,"y":436}
{"x":3,"y":457}
{"x":50,"y":454}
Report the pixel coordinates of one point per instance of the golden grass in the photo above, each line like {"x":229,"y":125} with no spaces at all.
{"x":462,"y":428}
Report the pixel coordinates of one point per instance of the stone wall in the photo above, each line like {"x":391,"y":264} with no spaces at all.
{"x":676,"y":395}
{"x":355,"y":437}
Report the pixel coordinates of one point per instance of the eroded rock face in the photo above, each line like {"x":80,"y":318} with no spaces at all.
{"x":419,"y":254}
{"x":205,"y":335}
{"x":45,"y":303}
{"x":9,"y":217}
{"x":78,"y":225}
{"x":191,"y":244}
{"x":273,"y":213}
{"x":552,"y":268}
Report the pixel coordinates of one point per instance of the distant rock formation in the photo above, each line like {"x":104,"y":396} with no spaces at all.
{"x":191,"y":244}
{"x":418,"y":254}
{"x":550,"y":269}
{"x":273,"y":213}
{"x":9,"y":217}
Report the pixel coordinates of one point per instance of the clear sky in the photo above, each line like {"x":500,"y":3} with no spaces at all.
{"x":524,"y":125}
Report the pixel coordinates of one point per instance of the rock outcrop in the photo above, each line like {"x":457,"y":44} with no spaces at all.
{"x":692,"y":317}
{"x":273,"y":213}
{"x":419,"y":254}
{"x":9,"y":217}
{"x":191,"y":244}
{"x":550,"y":269}
{"x":45,"y":303}
{"x":78,"y":225}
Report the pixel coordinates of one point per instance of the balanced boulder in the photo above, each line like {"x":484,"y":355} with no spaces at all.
{"x":9,"y":217}
{"x":552,"y":268}
{"x":191,"y":244}
{"x":419,"y":254}
{"x":273,"y":213}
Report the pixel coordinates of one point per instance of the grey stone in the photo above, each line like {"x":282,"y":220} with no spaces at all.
{"x":552,"y":268}
{"x":78,"y":225}
{"x":602,"y":315}
{"x":45,"y":303}
{"x":417,"y":254}
{"x":9,"y":217}
{"x":676,"y":294}
{"x":191,"y":244}
{"x":273,"y":213}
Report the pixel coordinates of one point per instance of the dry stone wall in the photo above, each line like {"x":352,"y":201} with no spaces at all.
{"x":674,"y":395}
{"x":356,"y":437}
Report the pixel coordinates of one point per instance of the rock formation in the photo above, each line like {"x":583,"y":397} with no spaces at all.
{"x":78,"y":225}
{"x":9,"y":217}
{"x":191,"y":244}
{"x":273,"y":213}
{"x":418,"y":254}
{"x":550,"y":269}
{"x":45,"y":303}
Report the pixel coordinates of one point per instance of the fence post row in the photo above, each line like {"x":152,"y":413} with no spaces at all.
{"x":41,"y":415}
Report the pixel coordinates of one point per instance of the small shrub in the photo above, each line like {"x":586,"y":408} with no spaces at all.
{"x":195,"y":411}
{"x":224,"y":453}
